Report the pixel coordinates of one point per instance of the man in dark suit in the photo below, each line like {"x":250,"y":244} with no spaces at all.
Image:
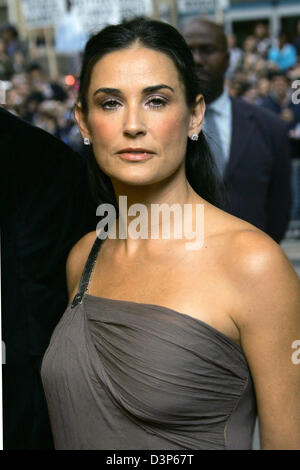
{"x":45,"y":209}
{"x":250,"y":144}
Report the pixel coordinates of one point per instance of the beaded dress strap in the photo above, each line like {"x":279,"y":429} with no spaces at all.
{"x":86,"y":275}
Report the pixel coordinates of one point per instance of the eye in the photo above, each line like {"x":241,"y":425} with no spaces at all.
{"x":157,"y":102}
{"x":209,"y":50}
{"x":110,"y":104}
{"x":206,"y":50}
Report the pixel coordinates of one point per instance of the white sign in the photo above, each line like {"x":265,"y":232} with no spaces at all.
{"x":130,"y":8}
{"x":95,"y":14}
{"x":223,"y":4}
{"x":42,"y":13}
{"x":201,"y":6}
{"x":196,"y":6}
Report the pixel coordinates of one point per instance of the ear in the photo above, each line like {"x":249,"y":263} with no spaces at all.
{"x":81,"y":121}
{"x":197,"y":116}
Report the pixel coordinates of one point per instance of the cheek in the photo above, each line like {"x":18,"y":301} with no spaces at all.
{"x":102,"y":130}
{"x":217,"y":63}
{"x":171,"y":129}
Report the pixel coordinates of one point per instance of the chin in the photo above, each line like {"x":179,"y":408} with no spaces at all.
{"x":141,"y":174}
{"x":138,"y":178}
{"x":137,"y":181}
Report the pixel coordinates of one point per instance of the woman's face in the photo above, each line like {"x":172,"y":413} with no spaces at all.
{"x":137,"y":120}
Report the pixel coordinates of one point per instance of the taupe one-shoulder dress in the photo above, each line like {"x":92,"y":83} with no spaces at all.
{"x":127,"y":375}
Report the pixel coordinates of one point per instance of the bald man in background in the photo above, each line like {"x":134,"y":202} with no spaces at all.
{"x":250,"y":144}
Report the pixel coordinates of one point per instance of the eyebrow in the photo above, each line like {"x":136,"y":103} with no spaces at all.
{"x":149,"y":89}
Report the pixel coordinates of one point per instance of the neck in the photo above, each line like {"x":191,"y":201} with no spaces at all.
{"x":171,"y":194}
{"x":215,"y":94}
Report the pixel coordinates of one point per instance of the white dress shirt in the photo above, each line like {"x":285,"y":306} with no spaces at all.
{"x":223,"y":118}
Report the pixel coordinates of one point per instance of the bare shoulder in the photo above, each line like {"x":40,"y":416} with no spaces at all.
{"x":267,"y":314}
{"x":261,"y":279}
{"x":246,"y":249}
{"x":265,"y":280}
{"x":255,"y":256}
{"x":253,"y":252}
{"x":76,"y":261}
{"x":249,"y":252}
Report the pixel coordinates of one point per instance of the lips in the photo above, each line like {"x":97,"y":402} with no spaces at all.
{"x":203,"y":74}
{"x":135,"y":150}
{"x":135,"y":154}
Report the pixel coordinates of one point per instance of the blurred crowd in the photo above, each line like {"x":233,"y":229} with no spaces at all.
{"x":260,"y":72}
{"x":266,"y":74}
{"x":31,"y":95}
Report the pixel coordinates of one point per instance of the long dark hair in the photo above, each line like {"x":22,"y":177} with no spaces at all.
{"x":201,"y":171}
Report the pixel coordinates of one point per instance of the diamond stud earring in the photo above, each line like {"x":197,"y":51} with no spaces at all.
{"x":194,"y":137}
{"x":86,"y":141}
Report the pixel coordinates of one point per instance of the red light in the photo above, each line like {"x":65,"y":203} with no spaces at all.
{"x":69,"y":80}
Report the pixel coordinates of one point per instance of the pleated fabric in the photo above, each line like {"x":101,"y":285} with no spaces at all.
{"x":126,"y":375}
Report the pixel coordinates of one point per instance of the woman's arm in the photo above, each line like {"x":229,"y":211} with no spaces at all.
{"x":268,"y":316}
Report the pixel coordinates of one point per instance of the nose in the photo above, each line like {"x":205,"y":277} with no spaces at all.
{"x":134,"y":124}
{"x":198,"y":57}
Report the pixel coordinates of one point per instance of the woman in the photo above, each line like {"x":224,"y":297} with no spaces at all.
{"x":162,"y":346}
